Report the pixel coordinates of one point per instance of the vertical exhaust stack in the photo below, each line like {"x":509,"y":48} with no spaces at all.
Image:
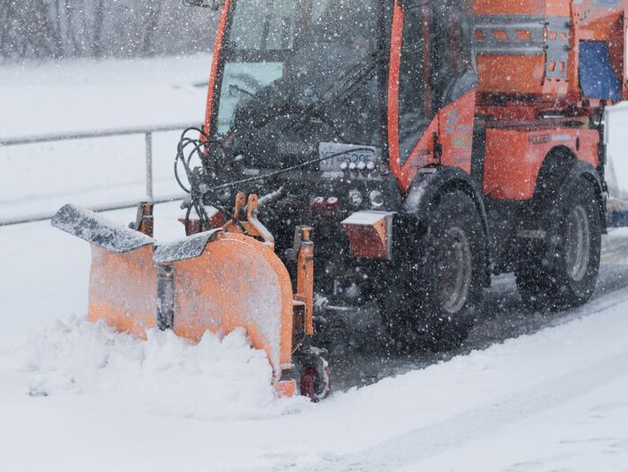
{"x":217,"y":281}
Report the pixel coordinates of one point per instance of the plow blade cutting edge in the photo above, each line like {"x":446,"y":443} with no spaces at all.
{"x":217,"y":280}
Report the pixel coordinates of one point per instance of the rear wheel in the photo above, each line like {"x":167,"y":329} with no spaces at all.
{"x":435,"y":300}
{"x":560,"y":271}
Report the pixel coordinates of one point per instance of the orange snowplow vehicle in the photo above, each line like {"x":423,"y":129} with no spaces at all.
{"x":424,"y":145}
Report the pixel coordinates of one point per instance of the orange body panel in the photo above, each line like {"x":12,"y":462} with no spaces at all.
{"x":369,"y":234}
{"x":501,"y":7}
{"x":520,"y":7}
{"x":123,"y":289}
{"x":455,"y":130}
{"x":454,"y":127}
{"x":511,"y":74}
{"x":519,"y":81}
{"x":505,"y":70}
{"x":514,"y":157}
{"x":393,"y":92}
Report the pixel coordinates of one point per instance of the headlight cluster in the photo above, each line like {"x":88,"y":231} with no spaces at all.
{"x":356,"y":198}
{"x":358,"y":166}
{"x":375,"y":199}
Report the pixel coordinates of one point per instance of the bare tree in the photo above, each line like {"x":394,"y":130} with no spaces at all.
{"x":27,"y":30}
{"x":99,"y":19}
{"x":72,"y":45}
{"x":97,"y":28}
{"x":152,"y":22}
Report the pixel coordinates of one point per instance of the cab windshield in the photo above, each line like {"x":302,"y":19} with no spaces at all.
{"x":297,"y":73}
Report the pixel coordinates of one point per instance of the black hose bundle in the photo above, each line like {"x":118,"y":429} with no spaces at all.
{"x":199,"y":177}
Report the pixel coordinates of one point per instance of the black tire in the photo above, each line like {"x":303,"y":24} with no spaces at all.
{"x":436,"y":297}
{"x":561,"y":270}
{"x":315,"y":379}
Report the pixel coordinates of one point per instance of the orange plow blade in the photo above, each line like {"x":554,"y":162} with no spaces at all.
{"x":122,"y":289}
{"x":236,"y":281}
{"x":214,"y":281}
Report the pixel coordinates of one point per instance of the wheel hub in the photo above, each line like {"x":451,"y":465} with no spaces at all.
{"x":577,"y":243}
{"x":455,"y":271}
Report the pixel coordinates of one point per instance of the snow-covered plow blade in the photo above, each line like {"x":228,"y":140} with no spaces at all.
{"x":217,"y":280}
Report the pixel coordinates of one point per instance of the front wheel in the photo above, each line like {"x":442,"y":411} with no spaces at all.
{"x":437,"y":296}
{"x":561,"y":270}
{"x":314,"y":377}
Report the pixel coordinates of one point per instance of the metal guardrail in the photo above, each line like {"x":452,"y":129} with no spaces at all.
{"x":109,"y":133}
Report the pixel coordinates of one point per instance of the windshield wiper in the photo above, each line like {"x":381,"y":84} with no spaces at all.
{"x":342,"y":90}
{"x":338,"y":92}
{"x":237,"y":88}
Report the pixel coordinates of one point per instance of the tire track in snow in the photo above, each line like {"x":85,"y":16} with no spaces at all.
{"x":432,"y":439}
{"x":503,"y":317}
{"x":429,"y":440}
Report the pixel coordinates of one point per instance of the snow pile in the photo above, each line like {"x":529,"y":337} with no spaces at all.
{"x":215,"y":379}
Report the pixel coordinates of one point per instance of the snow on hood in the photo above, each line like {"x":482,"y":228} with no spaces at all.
{"x":218,"y":378}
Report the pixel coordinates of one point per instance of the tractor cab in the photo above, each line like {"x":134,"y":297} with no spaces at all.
{"x":362,"y":81}
{"x":298,"y":73}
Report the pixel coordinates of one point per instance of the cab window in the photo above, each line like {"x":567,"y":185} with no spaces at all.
{"x":436,"y":65}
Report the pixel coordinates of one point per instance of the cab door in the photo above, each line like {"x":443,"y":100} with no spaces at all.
{"x":431,"y":87}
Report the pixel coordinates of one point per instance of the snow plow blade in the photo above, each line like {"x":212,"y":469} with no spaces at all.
{"x":217,"y":280}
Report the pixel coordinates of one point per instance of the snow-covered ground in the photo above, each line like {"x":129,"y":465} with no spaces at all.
{"x":76,"y":396}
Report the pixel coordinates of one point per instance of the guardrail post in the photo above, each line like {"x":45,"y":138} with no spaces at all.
{"x":149,"y":165}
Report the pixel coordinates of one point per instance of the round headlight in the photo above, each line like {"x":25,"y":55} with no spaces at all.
{"x":355,"y":198}
{"x":376,"y":198}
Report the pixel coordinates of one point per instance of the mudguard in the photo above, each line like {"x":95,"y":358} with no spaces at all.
{"x":423,"y":193}
{"x":583,"y":170}
{"x":423,"y":196}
